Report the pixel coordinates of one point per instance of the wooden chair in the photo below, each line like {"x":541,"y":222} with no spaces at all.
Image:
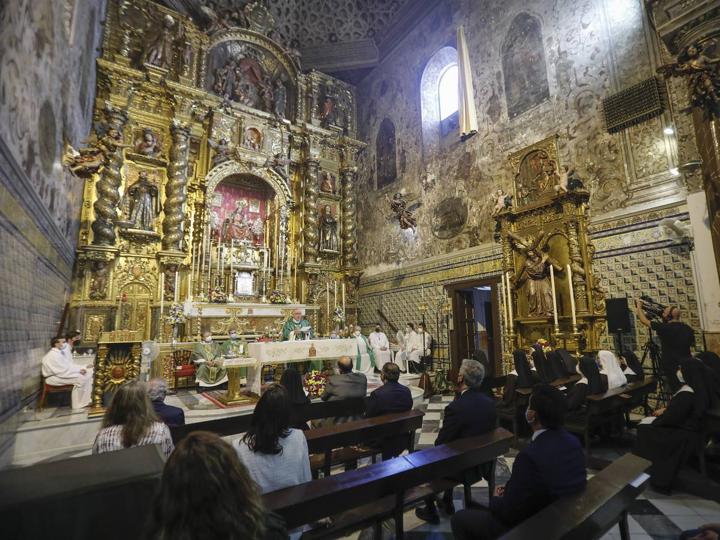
{"x":50,"y":389}
{"x":183,"y":367}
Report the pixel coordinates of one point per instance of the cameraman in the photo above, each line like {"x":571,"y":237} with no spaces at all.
{"x":676,"y":338}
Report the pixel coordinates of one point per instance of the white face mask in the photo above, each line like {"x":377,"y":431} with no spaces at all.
{"x":679,"y":376}
{"x":64,"y":347}
{"x":357,"y":333}
{"x":208,"y":339}
{"x":527,"y":418}
{"x":233,"y":336}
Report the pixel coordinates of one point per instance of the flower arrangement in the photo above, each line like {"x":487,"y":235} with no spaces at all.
{"x":315,"y":383}
{"x":279,"y":297}
{"x":544,"y":345}
{"x":176,"y":314}
{"x":338,"y":316}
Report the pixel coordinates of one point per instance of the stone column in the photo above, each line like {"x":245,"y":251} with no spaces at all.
{"x":310,"y":218}
{"x":108,"y":187}
{"x":176,"y":188}
{"x":349,"y":216}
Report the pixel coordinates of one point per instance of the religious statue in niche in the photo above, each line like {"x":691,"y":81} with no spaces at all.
{"x":144,"y":204}
{"x":219,"y":18}
{"x":523,"y":65}
{"x":238,"y":225}
{"x":537,"y":176}
{"x":327,"y":182}
{"x":253,"y":139}
{"x":161,"y":50}
{"x":99,"y":281}
{"x":704,"y":75}
{"x":278,"y":164}
{"x":147,"y":144}
{"x":385,"y":152}
{"x":402,"y":213}
{"x":328,"y":231}
{"x":279,"y":99}
{"x":328,"y":115}
{"x":222,"y":151}
{"x":535,"y":272}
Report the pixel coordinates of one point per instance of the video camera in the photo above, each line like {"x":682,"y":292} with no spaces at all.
{"x":652,"y":309}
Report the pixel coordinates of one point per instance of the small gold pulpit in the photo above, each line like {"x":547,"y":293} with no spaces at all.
{"x":117,"y":362}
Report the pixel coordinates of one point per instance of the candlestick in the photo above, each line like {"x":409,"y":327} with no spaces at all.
{"x":162,"y":302}
{"x":343,"y":296}
{"x":335,"y":292}
{"x":302,"y":292}
{"x":572,"y":298}
{"x":552,"y":286}
{"x":175,"y":290}
{"x":327,"y":306}
{"x":510,"y":306}
{"x":503,"y":293}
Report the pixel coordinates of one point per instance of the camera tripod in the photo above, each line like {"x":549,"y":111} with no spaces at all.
{"x":652,"y":350}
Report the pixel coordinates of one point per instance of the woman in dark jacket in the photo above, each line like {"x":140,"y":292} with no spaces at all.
{"x":291,"y":380}
{"x":669,"y":436}
{"x":590,"y":384}
{"x":523,"y":376}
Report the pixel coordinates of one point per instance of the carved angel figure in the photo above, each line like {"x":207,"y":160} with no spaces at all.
{"x":85,"y":162}
{"x":147,"y":145}
{"x":502,"y":201}
{"x":278,"y":164}
{"x":535,"y":272}
{"x":403,"y":214}
{"x":704,"y":75}
{"x":223,"y":152}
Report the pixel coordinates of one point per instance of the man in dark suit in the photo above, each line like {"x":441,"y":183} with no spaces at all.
{"x":551,"y":466}
{"x":472,"y":413}
{"x":172,"y":416}
{"x":346,"y":384}
{"x":391,"y":397}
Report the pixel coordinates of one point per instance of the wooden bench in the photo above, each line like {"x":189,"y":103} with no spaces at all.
{"x":235,"y":425}
{"x":710,"y":426}
{"x":590,"y":514}
{"x":366,"y":496}
{"x":602,"y":409}
{"x":324,"y":441}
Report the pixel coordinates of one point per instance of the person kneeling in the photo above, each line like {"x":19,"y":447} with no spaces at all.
{"x":551,"y":466}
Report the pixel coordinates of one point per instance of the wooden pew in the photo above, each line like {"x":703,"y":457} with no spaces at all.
{"x":376,"y":492}
{"x":590,"y":514}
{"x":602,"y":409}
{"x":710,"y":426}
{"x":235,"y":425}
{"x":326,"y":439}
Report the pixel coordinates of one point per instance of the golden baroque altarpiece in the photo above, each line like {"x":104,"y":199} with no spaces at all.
{"x":547,"y":256}
{"x":220,"y":178}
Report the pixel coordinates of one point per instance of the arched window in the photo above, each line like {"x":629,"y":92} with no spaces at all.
{"x":448,"y":92}
{"x":439,"y":98}
{"x":385,"y":154}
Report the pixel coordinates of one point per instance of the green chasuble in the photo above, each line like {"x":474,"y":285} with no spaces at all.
{"x":235,"y":348}
{"x":212,"y":370}
{"x":368,"y":350}
{"x":293,"y":325}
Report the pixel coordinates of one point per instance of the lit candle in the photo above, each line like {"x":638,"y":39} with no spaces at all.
{"x":552,"y":285}
{"x":572,"y":298}
{"x":503,"y":294}
{"x":343,"y":296}
{"x":162,"y":295}
{"x":232,"y":259}
{"x":302,"y":291}
{"x":175,"y":298}
{"x":335,"y":291}
{"x":510,"y":306}
{"x":327,"y":305}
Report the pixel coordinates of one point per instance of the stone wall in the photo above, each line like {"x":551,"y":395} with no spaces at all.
{"x":46,"y":97}
{"x":591,"y":49}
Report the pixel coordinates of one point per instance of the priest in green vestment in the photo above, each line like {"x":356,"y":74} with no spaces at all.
{"x":234,"y":348}
{"x":365,"y":360}
{"x":208,"y":355}
{"x":293,"y":327}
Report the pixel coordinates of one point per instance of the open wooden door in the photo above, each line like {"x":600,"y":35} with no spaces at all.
{"x":464,"y":334}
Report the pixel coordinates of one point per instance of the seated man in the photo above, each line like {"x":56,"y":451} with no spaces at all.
{"x":472,"y":413}
{"x":552,"y":465}
{"x":59,"y":370}
{"x":157,"y":390}
{"x":391,"y":397}
{"x":346,"y":384}
{"x":208,"y":357}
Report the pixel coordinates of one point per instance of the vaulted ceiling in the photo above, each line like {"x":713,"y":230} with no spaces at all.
{"x":345,"y":37}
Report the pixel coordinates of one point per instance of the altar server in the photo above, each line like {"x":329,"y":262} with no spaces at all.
{"x":59,"y":370}
{"x":365,"y":361}
{"x":380,"y":346}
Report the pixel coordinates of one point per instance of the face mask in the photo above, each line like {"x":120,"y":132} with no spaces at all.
{"x":233,"y":336}
{"x":64,"y":347}
{"x":679,"y":376}
{"x":408,"y":330}
{"x":208,"y":339}
{"x":527,"y":417}
{"x":357,"y":333}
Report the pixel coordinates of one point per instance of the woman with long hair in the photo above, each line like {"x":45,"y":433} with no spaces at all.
{"x":275,"y":454}
{"x":207,"y":493}
{"x":672,"y":433}
{"x":130,"y":420}
{"x":291,"y":381}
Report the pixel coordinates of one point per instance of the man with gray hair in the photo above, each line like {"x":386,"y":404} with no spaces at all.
{"x":471,"y":413}
{"x":157,"y":390}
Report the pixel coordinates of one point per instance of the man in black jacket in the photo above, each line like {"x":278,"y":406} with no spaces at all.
{"x":472,"y":413}
{"x":391,"y":397}
{"x":551,"y":466}
{"x":157,"y":390}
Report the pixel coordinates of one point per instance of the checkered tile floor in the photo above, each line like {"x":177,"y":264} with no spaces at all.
{"x":652,"y":516}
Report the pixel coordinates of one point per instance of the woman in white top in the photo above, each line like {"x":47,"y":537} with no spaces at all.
{"x":275,"y":454}
{"x":610,"y":367}
{"x":131,"y":421}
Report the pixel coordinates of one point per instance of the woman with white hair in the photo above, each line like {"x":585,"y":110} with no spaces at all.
{"x":610,"y":367}
{"x":157,"y":390}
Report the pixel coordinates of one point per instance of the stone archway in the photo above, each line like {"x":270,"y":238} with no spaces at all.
{"x":231,"y":168}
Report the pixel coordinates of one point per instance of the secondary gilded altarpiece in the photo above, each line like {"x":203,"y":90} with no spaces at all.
{"x":220,"y":182}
